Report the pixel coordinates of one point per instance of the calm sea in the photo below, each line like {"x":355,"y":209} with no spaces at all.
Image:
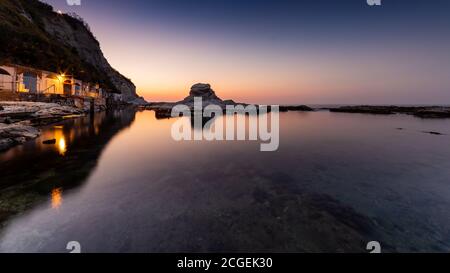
{"x":118,"y":182}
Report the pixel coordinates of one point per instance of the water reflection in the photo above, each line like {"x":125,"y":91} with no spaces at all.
{"x":62,"y":146}
{"x":337,"y":182}
{"x":60,"y":159}
{"x":56,"y":198}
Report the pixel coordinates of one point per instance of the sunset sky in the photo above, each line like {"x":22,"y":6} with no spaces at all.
{"x":312,"y":52}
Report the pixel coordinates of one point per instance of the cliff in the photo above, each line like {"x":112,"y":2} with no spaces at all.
{"x":32,"y":34}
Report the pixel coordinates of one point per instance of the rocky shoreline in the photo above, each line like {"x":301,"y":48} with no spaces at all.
{"x":20,"y":121}
{"x":418,"y":111}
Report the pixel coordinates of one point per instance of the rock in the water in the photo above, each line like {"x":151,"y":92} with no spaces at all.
{"x":418,"y":111}
{"x":25,"y":110}
{"x":364,"y":109}
{"x":5,"y":143}
{"x":49,"y":141}
{"x":438,"y":112}
{"x":14,"y":134}
{"x":208,"y":96}
{"x":1,"y":108}
{"x":202,"y":90}
{"x":17,"y":116}
{"x":206,"y":93}
{"x":18,"y":130}
{"x":433,"y":133}
{"x":285,"y":108}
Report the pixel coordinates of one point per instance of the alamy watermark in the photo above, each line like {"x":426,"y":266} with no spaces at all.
{"x":73,"y":2}
{"x":241,"y":122}
{"x":74,"y":247}
{"x":374,"y":2}
{"x":374,"y":247}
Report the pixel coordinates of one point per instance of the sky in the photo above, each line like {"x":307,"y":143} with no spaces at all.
{"x":278,"y":51}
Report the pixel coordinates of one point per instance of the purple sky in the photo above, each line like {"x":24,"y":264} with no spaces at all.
{"x":321,"y":52}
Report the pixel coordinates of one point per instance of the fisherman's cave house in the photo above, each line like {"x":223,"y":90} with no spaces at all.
{"x":25,"y":83}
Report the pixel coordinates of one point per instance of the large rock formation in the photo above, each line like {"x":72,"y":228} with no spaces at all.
{"x":204,"y":91}
{"x":36,"y":36}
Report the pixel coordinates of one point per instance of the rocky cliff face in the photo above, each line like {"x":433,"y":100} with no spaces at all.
{"x":77,"y":36}
{"x":37,"y":36}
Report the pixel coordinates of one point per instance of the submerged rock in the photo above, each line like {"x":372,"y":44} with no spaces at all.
{"x":364,"y":109}
{"x":437,"y":112}
{"x":418,"y":111}
{"x":14,"y":134}
{"x":49,"y":141}
{"x":433,"y":133}
{"x":286,"y":108}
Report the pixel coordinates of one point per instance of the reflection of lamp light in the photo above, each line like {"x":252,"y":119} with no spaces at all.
{"x":56,"y":198}
{"x":62,"y":146}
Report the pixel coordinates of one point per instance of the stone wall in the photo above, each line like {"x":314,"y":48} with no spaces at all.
{"x":8,"y":96}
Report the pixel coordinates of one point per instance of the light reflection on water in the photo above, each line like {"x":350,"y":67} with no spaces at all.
{"x":62,"y":146}
{"x":56,"y":198}
{"x":337,"y":182}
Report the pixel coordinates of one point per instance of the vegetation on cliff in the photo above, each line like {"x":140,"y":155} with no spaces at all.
{"x":32,"y":34}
